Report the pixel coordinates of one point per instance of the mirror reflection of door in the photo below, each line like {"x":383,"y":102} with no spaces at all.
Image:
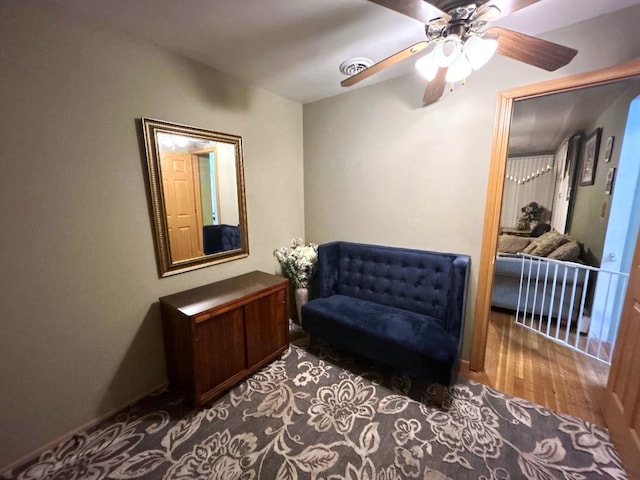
{"x":218,"y":185}
{"x":181,"y":184}
{"x":199,"y":181}
{"x":196,"y":180}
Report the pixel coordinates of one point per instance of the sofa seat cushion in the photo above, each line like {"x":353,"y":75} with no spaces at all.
{"x":377,"y":329}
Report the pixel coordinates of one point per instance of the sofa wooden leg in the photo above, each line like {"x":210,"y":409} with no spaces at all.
{"x":439,"y":395}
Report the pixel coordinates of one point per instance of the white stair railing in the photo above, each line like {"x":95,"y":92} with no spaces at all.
{"x":576,"y":305}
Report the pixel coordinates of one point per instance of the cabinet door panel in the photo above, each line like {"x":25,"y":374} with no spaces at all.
{"x":220,"y":349}
{"x":266,"y":326}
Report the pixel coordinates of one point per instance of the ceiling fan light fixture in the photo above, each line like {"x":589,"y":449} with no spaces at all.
{"x":479,"y":50}
{"x":427,"y":67}
{"x":447,"y":50}
{"x":490,"y":12}
{"x":458,"y":70}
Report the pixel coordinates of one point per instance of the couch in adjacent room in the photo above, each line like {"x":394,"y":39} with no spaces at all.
{"x":544,"y":294}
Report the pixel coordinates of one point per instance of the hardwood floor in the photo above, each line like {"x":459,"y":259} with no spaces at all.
{"x":527,"y":365}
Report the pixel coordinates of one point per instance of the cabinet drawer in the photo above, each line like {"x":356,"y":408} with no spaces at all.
{"x":266,"y":326}
{"x":220,"y":349}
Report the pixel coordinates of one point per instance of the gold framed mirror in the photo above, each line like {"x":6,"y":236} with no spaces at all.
{"x":196,"y":179}
{"x":497,"y":169}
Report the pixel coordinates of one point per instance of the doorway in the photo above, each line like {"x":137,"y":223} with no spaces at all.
{"x":496,"y":184}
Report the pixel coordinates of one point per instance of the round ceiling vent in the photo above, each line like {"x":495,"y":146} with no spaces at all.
{"x":355,"y":65}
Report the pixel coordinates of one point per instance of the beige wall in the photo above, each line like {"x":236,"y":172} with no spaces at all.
{"x":381,"y":169}
{"x":80,"y":323}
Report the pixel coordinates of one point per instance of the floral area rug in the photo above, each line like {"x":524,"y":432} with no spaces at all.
{"x":317,"y":414}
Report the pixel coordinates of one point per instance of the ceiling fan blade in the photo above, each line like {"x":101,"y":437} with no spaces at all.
{"x":382,"y":64}
{"x":418,"y":9}
{"x":503,"y":8}
{"x":534,"y":51}
{"x":435,"y":88}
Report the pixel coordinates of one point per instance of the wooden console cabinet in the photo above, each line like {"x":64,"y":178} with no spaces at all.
{"x":218,"y":334}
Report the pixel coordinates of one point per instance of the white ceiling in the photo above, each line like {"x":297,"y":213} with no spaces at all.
{"x":541,"y":124}
{"x":293,"y":48}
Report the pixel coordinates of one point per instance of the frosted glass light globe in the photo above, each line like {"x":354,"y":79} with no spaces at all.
{"x":479,"y":50}
{"x":459,"y":70}
{"x":427,"y":67}
{"x":447,"y":50}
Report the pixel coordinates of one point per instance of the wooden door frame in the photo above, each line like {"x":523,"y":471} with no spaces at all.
{"x":195,"y":175}
{"x":495,"y":187}
{"x":619,"y":419}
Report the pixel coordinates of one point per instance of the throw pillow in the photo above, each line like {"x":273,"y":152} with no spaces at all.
{"x":546,"y":243}
{"x":531,"y":247}
{"x":534,"y":243}
{"x":569,"y":252}
{"x":512,"y":243}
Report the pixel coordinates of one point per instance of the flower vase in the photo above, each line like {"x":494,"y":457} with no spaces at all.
{"x":302,"y":297}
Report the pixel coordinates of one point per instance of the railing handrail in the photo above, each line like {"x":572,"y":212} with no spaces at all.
{"x":572,"y":264}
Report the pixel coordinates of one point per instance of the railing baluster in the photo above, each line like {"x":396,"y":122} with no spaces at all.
{"x":553,"y":295}
{"x":535,"y":294}
{"x":531,"y":289}
{"x":561,"y":305}
{"x":520,"y":292}
{"x":571,"y":303}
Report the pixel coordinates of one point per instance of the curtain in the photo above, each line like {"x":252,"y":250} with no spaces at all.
{"x":528,"y":179}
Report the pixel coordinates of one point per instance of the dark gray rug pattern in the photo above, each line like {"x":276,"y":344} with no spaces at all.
{"x":316,"y":414}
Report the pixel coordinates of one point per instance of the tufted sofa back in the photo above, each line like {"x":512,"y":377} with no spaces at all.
{"x":220,"y":238}
{"x":429,"y":283}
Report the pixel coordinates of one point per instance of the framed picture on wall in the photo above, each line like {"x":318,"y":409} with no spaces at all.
{"x":590,"y":158}
{"x":608,"y":148}
{"x":608,"y":184}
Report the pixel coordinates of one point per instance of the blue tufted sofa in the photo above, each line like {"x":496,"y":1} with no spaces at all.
{"x":401,"y":307}
{"x":220,"y":238}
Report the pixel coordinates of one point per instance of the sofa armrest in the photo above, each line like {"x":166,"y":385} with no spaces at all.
{"x":509,"y":265}
{"x":328,"y":256}
{"x":458,"y":296}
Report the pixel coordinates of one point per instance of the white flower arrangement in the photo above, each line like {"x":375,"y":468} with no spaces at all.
{"x":298,"y":262}
{"x":532,"y":212}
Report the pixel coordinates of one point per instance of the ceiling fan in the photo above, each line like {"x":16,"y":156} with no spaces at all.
{"x":463,"y":43}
